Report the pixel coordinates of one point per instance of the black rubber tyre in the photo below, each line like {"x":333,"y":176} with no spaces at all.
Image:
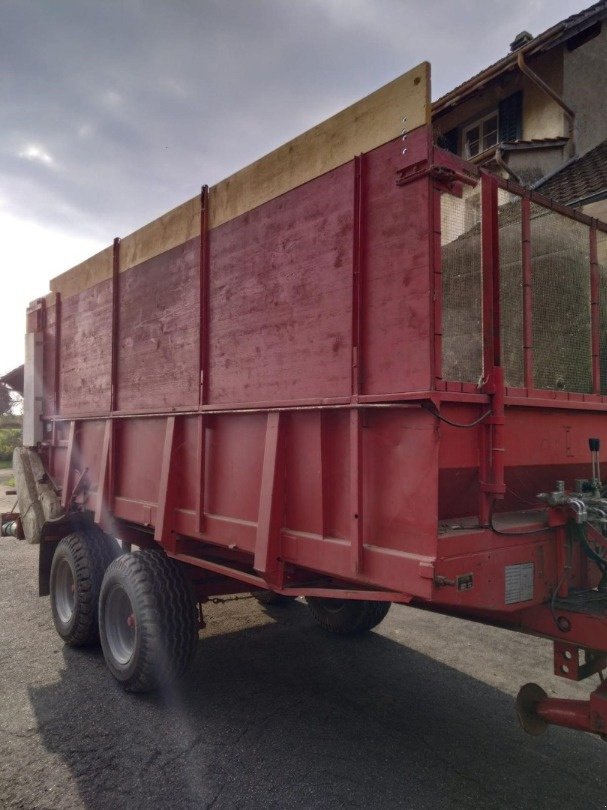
{"x":272,"y":599}
{"x":77,"y":570}
{"x":147,"y":620}
{"x":347,"y":617}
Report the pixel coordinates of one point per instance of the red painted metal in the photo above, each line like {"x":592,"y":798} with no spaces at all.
{"x":102,"y":512}
{"x":595,"y":317}
{"x":203,"y":296}
{"x":163,"y":533}
{"x":68,"y":470}
{"x":115,"y":324}
{"x":358,"y":249}
{"x":527,"y":291}
{"x":267,"y":403}
{"x":267,"y":541}
{"x":356,"y":491}
{"x":582,"y":715}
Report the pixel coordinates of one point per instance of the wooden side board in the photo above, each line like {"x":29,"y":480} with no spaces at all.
{"x":91,"y":271}
{"x":365,"y":125}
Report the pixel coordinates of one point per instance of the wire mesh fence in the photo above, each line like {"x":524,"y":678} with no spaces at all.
{"x":560,"y":315}
{"x":462,"y":345}
{"x":511,"y":287}
{"x":560,"y":273}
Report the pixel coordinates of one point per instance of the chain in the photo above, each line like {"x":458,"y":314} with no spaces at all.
{"x":218,"y":600}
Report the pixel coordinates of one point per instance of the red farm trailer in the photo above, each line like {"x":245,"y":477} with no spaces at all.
{"x":361,"y":371}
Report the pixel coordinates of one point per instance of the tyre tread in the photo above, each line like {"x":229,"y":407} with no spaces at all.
{"x":358,"y":617}
{"x":91,"y":552}
{"x":167,"y":617}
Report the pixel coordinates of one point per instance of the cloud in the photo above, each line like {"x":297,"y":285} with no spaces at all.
{"x":134,"y":105}
{"x":140,"y":103}
{"x":36,"y":153}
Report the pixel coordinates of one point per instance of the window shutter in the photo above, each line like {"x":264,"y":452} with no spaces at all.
{"x":511,"y":117}
{"x":449,"y":140}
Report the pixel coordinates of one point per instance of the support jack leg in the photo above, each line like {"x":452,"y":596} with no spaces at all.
{"x":536,"y":711}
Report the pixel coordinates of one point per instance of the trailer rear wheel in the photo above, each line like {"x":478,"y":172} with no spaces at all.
{"x":347,"y":617}
{"x":77,"y":570}
{"x":147,"y":620}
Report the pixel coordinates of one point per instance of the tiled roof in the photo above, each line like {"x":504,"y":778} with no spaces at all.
{"x":580,"y":179}
{"x":535,"y":142}
{"x":541,"y":42}
{"x":14,"y":379}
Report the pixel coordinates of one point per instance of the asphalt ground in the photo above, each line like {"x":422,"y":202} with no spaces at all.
{"x":275,"y":713}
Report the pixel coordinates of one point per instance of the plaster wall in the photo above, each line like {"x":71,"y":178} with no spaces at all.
{"x":585,"y":90}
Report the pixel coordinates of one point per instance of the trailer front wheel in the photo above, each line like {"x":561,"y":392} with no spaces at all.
{"x":347,"y":617}
{"x":78,"y":566}
{"x":147,"y":620}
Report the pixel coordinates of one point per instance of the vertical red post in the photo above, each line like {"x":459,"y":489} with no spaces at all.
{"x":166,"y":490}
{"x":357,"y":273}
{"x":101,"y":507}
{"x":484,"y":474}
{"x":356,"y":491}
{"x":203,"y":296}
{"x":203,"y":332}
{"x":490,"y":448}
{"x":57,"y":381}
{"x":115,"y":324}
{"x":323,"y":462}
{"x":436,"y":280}
{"x":490,"y":270}
{"x":69,"y":457}
{"x":527,"y":292}
{"x":271,"y":502}
{"x":595,"y":314}
{"x":110,"y":491}
{"x":200,"y":466}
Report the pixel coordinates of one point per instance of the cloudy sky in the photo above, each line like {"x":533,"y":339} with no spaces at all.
{"x":113,"y":111}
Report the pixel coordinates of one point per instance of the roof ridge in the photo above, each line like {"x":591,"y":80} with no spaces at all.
{"x":510,"y":58}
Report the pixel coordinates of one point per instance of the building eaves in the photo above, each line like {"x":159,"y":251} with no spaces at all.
{"x":548,"y":39}
{"x":534,"y":143}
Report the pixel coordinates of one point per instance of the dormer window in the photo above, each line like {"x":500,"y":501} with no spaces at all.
{"x":481,"y":135}
{"x":500,"y":125}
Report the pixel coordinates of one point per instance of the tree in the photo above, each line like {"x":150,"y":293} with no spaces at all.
{"x":6,"y":400}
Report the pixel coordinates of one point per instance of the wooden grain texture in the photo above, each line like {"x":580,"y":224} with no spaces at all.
{"x":365,"y":125}
{"x":396,"y":323}
{"x":280,"y":314}
{"x":89,"y":272}
{"x":171,"y":229}
{"x":158,"y":331}
{"x":49,"y":357}
{"x":86,"y":350}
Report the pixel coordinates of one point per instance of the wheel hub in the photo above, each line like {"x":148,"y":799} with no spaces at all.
{"x":65,"y":592}
{"x":120,"y":625}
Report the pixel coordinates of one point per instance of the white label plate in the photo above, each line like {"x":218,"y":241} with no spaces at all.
{"x":519,"y":583}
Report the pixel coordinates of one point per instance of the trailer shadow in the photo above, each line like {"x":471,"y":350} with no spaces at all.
{"x":283,"y":715}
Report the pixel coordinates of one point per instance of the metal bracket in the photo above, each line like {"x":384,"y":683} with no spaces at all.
{"x":567,"y":662}
{"x":449,"y":180}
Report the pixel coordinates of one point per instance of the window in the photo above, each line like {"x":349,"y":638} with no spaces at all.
{"x":481,"y":135}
